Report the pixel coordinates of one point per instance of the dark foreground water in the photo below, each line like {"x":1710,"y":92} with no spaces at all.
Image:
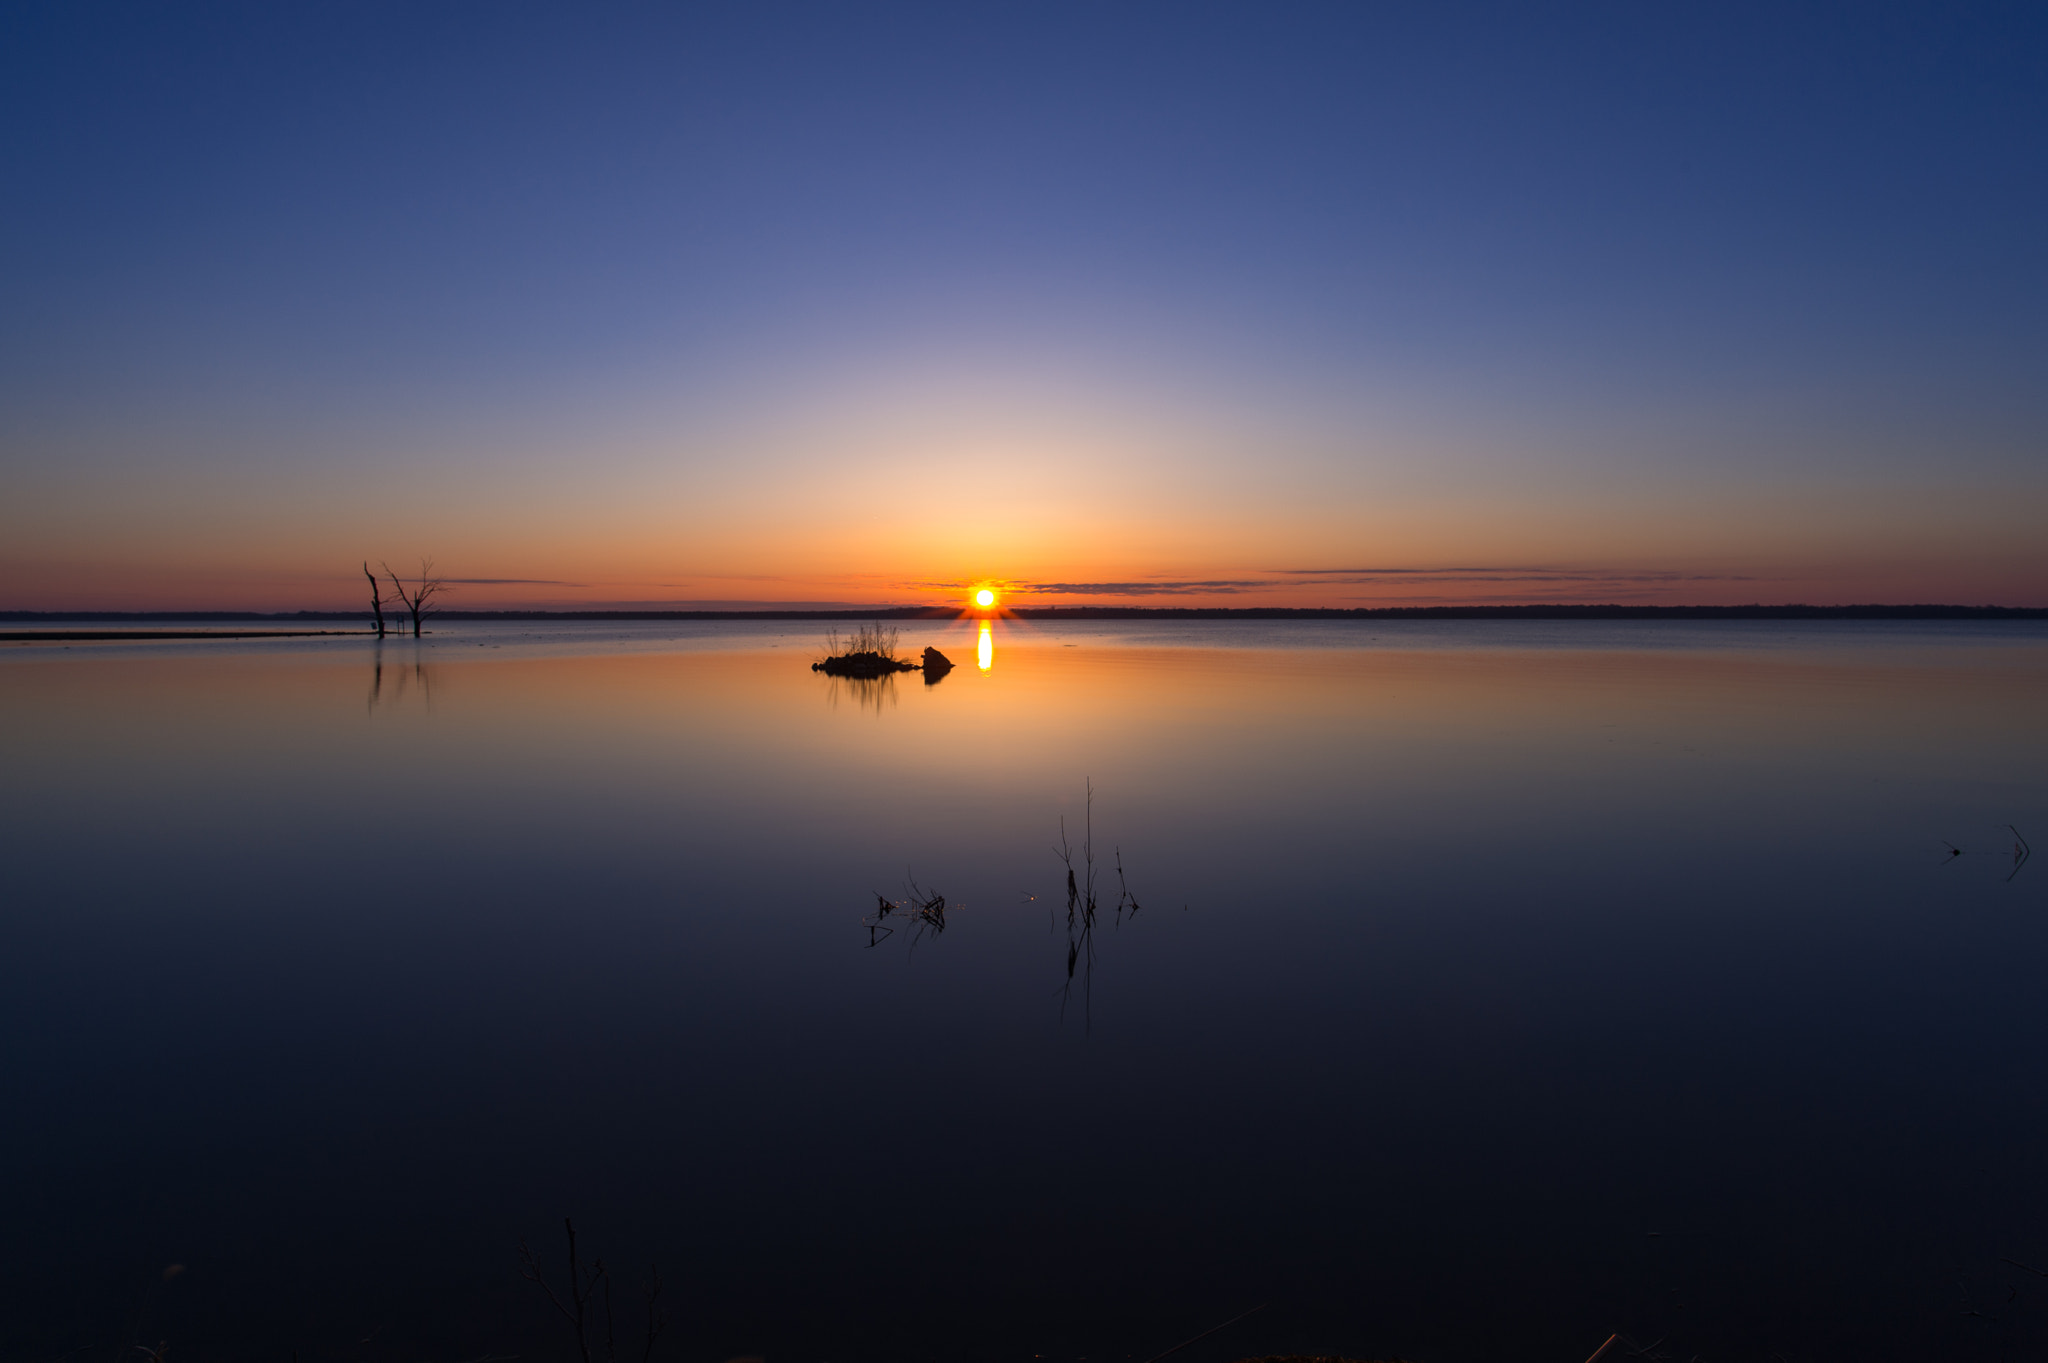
{"x":1495,"y":987}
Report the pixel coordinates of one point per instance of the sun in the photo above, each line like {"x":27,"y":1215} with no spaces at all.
{"x":985,"y":598}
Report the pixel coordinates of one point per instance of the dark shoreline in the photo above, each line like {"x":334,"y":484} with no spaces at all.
{"x":121,"y":635}
{"x":1579,"y":612}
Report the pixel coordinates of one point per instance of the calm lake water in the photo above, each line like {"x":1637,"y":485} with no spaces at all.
{"x":1495,"y":986}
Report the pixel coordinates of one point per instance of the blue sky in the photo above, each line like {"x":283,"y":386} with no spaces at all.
{"x":806,"y":302}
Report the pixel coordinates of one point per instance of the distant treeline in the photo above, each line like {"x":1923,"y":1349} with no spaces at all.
{"x":1586,"y":612}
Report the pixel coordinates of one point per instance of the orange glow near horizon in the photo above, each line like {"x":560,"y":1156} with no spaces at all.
{"x":151,"y":568}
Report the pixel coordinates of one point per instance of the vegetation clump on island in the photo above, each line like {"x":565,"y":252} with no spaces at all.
{"x":869,"y":652}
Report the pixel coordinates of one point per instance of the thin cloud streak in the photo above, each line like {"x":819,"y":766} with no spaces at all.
{"x":1226,"y":587}
{"x":1170,"y":587}
{"x":1610,"y":596}
{"x":1404,"y":576}
{"x":1561,"y":582}
{"x":1390,"y":572}
{"x":736,"y":605}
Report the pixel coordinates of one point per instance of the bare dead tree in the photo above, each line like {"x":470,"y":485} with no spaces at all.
{"x":376,"y":598}
{"x":418,"y":600}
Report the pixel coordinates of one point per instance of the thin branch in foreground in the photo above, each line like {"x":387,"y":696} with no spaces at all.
{"x":657,"y":1319}
{"x":1206,"y":1333}
{"x":581,"y":1286}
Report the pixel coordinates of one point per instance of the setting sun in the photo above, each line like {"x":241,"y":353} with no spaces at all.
{"x":985,"y":598}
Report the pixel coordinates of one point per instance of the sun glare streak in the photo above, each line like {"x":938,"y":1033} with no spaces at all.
{"x":985,"y":598}
{"x":985,"y":649}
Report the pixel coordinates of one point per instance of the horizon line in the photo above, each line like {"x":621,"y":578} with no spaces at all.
{"x":1551,"y":610}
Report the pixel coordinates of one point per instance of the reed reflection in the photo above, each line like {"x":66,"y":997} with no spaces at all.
{"x":924,"y":910}
{"x":870,"y":693}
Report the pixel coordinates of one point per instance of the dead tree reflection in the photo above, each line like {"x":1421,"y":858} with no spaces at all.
{"x":403,"y":679}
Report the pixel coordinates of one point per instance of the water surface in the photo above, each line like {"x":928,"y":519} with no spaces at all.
{"x":1496,"y":985}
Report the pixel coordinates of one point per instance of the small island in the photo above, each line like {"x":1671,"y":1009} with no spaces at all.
{"x":871,"y":652}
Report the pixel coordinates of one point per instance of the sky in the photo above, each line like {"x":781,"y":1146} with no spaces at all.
{"x":1181,"y":304}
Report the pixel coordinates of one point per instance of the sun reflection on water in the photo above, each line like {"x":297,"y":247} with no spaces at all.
{"x":985,"y":649}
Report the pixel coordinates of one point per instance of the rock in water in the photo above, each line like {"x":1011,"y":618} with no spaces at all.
{"x":936,"y":664}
